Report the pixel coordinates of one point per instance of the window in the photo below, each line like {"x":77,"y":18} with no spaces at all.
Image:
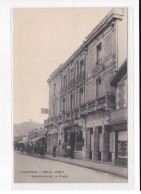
{"x":68,"y":75}
{"x":64,"y":81}
{"x":72,"y":73}
{"x":122,"y":144}
{"x":99,"y":54}
{"x":54,"y":88}
{"x":54,"y":107}
{"x":98,"y":87}
{"x":77,"y":69}
{"x":72,"y":101}
{"x":81,"y":99}
{"x":63,"y":104}
{"x":81,"y":67}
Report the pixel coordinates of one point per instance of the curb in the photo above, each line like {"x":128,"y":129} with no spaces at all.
{"x":92,"y":168}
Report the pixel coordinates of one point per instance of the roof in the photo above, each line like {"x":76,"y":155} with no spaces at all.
{"x":119,"y":74}
{"x":114,"y":13}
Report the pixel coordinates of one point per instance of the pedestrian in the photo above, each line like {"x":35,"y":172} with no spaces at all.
{"x":54,"y":151}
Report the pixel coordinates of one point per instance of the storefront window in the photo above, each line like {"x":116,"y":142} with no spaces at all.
{"x":73,"y":136}
{"x":122,"y":144}
{"x":79,"y":141}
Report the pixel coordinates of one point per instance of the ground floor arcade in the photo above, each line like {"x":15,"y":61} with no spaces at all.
{"x":92,"y":138}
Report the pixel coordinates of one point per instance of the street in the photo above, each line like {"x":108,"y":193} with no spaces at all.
{"x":30,"y":169}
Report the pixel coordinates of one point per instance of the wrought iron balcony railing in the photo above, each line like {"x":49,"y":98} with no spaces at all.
{"x":91,"y":106}
{"x":83,"y":109}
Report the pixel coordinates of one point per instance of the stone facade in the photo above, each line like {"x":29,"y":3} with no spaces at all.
{"x":81,"y":97}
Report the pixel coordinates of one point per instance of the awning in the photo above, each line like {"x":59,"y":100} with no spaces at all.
{"x":21,"y":142}
{"x":36,"y":139}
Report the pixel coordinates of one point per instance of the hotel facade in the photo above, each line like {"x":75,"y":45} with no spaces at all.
{"x":88,"y":96}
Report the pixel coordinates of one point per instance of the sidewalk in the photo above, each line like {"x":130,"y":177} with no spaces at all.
{"x":98,"y":166}
{"x":102,"y":167}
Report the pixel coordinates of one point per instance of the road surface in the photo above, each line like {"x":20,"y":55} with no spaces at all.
{"x":30,"y":169}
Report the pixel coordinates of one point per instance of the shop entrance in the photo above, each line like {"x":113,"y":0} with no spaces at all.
{"x":121,"y":148}
{"x":73,"y":141}
{"x":89,"y":133}
{"x":72,"y":144}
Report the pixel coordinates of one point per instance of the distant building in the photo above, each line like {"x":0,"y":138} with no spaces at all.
{"x":83,"y":101}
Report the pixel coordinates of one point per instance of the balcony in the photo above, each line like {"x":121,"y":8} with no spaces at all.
{"x":91,"y":106}
{"x":83,"y":110}
{"x":75,"y":113}
{"x":99,"y":66}
{"x":107,"y":101}
{"x":101,"y":100}
{"x":68,"y":116}
{"x":80,"y":78}
{"x":46,"y":122}
{"x":118,"y":116}
{"x":49,"y":121}
{"x":56,"y":119}
{"x":60,"y":118}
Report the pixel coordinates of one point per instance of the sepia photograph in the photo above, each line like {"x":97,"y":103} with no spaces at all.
{"x":70,"y":95}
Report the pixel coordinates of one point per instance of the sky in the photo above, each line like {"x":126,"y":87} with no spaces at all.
{"x":44,"y":38}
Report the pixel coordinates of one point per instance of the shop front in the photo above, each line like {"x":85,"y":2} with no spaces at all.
{"x":73,"y":141}
{"x":121,"y":144}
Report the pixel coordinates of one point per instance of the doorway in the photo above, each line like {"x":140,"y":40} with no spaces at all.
{"x":72,"y":144}
{"x":89,"y":133}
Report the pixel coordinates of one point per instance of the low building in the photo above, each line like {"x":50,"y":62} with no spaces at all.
{"x":118,"y":117}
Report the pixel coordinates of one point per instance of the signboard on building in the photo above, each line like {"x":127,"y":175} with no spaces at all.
{"x":44,"y":111}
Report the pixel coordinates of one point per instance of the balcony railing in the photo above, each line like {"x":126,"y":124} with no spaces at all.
{"x":101,"y":100}
{"x":49,"y":121}
{"x":67,"y":116}
{"x":80,"y":77}
{"x":75,"y":113}
{"x":107,"y":101}
{"x":118,"y":116}
{"x":45,"y":123}
{"x":91,"y":106}
{"x":99,"y":66}
{"x":83,"y":109}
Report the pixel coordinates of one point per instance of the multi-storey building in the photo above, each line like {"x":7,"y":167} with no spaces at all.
{"x":82,"y":97}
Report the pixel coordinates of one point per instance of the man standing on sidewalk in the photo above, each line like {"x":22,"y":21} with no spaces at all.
{"x":54,"y":151}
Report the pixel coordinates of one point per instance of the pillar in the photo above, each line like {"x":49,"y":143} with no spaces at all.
{"x":105,"y":137}
{"x":113,"y":147}
{"x":84,"y":146}
{"x":96,"y":143}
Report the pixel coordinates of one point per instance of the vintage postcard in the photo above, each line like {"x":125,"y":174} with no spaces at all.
{"x":70,"y":95}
